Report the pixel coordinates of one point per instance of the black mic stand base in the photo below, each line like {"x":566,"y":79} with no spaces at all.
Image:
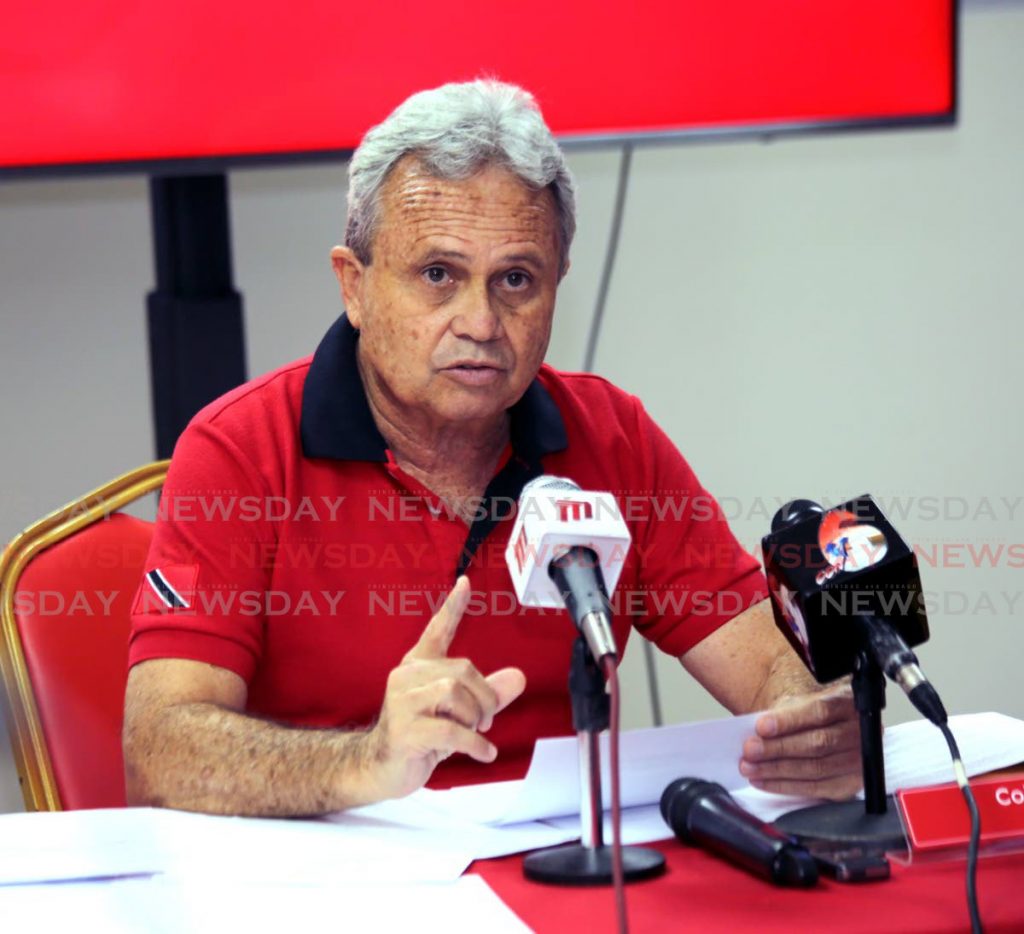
{"x":846,"y":822}
{"x":581,"y":865}
{"x":874,"y":822}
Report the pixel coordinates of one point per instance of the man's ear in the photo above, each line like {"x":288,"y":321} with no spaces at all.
{"x":349,"y":272}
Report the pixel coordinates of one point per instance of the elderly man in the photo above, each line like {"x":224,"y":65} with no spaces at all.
{"x":325,"y":619}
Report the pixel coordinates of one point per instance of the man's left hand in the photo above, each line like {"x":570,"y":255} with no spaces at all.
{"x":807,"y":745}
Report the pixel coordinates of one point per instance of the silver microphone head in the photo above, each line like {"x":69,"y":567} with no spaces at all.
{"x":549,"y":482}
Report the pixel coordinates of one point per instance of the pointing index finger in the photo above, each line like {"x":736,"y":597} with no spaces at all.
{"x":438,"y":634}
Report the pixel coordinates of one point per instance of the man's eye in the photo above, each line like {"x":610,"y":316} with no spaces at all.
{"x":436,"y":274}
{"x":517,"y":279}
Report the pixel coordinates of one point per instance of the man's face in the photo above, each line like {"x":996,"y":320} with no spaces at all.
{"x":454,"y":311}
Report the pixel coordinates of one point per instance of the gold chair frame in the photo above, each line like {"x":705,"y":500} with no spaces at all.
{"x":31,"y":755}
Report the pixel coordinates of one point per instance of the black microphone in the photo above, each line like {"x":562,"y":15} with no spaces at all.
{"x":704,"y":814}
{"x":843,"y":580}
{"x":899,"y":662}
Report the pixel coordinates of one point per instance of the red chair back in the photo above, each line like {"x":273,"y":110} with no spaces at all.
{"x":68,"y":585}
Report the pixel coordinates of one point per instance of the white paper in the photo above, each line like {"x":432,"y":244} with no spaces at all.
{"x":170,"y":905}
{"x":307,"y":852}
{"x":397,"y":841}
{"x":768,"y":806}
{"x":93,"y":844}
{"x":650,"y":759}
{"x":414,"y":822}
{"x":916,"y":753}
{"x":466,"y":906}
{"x":639,"y":825}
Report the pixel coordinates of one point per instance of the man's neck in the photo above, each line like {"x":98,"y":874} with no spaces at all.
{"x":451,"y":459}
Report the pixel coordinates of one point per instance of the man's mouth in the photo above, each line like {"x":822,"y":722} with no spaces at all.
{"x":474,"y":373}
{"x":473,"y":365}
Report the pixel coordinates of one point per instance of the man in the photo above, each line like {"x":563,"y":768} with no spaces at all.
{"x":325,"y":619}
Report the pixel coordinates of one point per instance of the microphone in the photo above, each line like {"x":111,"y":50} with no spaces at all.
{"x":704,"y":814}
{"x":567,"y":549}
{"x":843,"y":581}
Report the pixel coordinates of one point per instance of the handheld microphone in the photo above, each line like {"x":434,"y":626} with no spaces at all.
{"x":567,"y":549}
{"x":843,"y":581}
{"x":704,"y":814}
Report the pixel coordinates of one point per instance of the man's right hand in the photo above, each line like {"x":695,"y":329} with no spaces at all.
{"x":435,"y":706}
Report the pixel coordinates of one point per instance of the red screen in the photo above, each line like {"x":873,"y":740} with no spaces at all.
{"x":125,"y":80}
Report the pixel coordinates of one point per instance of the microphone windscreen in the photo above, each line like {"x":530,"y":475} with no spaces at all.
{"x":548,"y":482}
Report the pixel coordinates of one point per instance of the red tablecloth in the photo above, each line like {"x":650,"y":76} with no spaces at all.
{"x":701,"y":893}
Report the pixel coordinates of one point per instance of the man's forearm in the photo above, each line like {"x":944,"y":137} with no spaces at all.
{"x":785,"y":676}
{"x":201,"y":757}
{"x":747,"y":664}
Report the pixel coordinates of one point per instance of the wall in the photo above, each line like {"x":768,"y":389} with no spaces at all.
{"x":811,"y":317}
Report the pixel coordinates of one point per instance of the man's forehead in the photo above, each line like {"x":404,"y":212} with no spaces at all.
{"x":493,"y":201}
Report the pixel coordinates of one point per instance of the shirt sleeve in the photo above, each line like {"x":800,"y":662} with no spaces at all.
{"x":203,"y":593}
{"x":694,"y":576}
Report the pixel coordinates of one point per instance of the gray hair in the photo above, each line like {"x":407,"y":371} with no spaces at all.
{"x":456,"y":130}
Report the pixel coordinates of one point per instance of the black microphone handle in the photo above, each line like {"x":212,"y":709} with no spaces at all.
{"x":704,"y":814}
{"x":900,"y":663}
{"x":577,"y":575}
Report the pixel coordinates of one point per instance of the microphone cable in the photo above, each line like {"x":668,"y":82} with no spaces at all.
{"x":972,"y":808}
{"x":612,"y":677}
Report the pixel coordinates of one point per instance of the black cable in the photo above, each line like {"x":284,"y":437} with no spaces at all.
{"x":618,"y":877}
{"x":972,"y":848}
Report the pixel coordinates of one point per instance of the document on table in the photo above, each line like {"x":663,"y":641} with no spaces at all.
{"x":171,"y":905}
{"x":77,"y":845}
{"x":915,"y":755}
{"x":412,"y":822}
{"x":395,"y":840}
{"x":651,"y":758}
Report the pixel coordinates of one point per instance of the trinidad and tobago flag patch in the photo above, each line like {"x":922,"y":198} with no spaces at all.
{"x":170,"y":587}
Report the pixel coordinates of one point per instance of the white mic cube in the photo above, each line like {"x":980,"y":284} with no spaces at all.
{"x":549,"y":523}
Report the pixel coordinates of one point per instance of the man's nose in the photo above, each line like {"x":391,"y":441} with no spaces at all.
{"x":476,"y":318}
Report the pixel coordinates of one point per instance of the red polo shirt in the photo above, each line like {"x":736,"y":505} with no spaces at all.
{"x":291,"y":549}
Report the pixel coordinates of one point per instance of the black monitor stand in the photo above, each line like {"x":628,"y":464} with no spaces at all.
{"x":196,"y":337}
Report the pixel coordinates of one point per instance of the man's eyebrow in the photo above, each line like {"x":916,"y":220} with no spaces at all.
{"x":534,"y":259}
{"x":431,"y":255}
{"x":530,"y":258}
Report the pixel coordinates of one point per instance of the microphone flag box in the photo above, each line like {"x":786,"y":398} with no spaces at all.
{"x":552,"y":521}
{"x":830,"y":567}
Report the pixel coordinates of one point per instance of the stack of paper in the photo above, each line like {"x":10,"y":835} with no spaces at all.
{"x":915,"y":755}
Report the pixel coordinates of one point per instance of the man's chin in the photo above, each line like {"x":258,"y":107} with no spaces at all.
{"x":470,"y":407}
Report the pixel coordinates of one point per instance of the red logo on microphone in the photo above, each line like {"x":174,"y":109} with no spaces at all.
{"x":572,"y":510}
{"x":848,"y":544}
{"x":519,"y":549}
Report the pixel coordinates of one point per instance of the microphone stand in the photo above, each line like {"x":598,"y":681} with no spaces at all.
{"x":875,"y":822}
{"x":589,"y":862}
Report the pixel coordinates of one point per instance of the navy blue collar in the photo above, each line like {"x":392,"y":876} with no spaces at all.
{"x":337,"y":422}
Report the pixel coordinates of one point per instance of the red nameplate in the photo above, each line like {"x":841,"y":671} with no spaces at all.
{"x":936,"y":818}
